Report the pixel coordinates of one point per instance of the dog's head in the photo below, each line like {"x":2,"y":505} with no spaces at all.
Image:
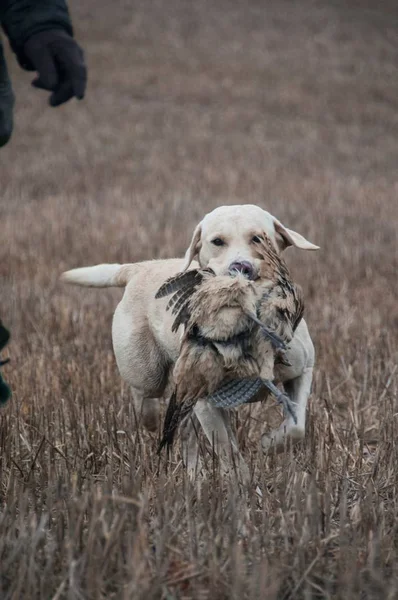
{"x":225,"y":240}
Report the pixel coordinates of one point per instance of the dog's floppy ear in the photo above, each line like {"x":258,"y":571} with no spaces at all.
{"x":194,"y":247}
{"x":287,"y":237}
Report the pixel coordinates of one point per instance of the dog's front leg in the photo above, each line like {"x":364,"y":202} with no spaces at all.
{"x":190,"y":445}
{"x":298,"y":390}
{"x":216,"y":424}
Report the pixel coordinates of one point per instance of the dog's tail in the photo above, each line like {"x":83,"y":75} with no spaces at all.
{"x":100,"y":276}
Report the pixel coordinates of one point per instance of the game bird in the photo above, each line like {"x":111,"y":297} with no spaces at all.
{"x":235,"y":331}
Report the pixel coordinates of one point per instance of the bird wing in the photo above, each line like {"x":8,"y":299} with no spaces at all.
{"x":281,"y":310}
{"x":179,"y":281}
{"x":281,"y":307}
{"x":181,"y":308}
{"x":182,"y":286}
{"x":298,"y":312}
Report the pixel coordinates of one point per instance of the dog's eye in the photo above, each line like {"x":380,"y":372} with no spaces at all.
{"x":218,"y":242}
{"x":256,"y":239}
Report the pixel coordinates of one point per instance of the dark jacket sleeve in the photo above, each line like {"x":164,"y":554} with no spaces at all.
{"x":21,"y":19}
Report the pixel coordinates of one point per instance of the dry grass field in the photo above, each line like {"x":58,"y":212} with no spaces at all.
{"x":289,"y":105}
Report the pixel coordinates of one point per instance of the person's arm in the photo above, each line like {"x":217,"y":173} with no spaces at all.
{"x":41,"y":35}
{"x":21,"y":19}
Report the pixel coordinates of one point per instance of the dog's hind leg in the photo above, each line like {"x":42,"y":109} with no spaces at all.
{"x":147,"y":410}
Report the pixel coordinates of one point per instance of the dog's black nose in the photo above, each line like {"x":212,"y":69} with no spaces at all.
{"x":244,"y":267}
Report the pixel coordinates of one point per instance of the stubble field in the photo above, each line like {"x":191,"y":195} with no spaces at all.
{"x":292,"y":106}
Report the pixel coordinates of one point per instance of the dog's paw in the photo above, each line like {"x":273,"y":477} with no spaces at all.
{"x":276,"y":440}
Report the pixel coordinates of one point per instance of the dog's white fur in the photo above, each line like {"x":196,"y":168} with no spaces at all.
{"x":145,"y":347}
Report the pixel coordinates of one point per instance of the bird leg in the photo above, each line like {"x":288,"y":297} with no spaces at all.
{"x":281,"y":398}
{"x":276,"y":341}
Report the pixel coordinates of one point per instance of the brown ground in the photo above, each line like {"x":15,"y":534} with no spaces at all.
{"x":291,"y":105}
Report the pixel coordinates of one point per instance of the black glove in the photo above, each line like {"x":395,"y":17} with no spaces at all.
{"x":59,"y":62}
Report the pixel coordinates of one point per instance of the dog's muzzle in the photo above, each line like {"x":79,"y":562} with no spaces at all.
{"x":244,"y":267}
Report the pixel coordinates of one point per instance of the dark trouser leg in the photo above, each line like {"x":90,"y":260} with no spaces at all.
{"x":6,"y":101}
{"x":5,"y":391}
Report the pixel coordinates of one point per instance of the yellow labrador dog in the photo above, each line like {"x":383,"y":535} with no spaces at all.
{"x":145,"y":347}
